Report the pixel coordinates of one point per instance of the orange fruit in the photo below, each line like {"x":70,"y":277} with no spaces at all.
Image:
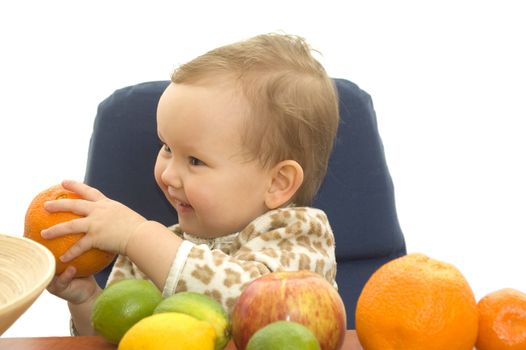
{"x":502,"y":321}
{"x":37,"y":219}
{"x":415,"y":302}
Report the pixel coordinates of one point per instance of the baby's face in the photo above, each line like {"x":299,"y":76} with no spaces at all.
{"x":201,"y":167}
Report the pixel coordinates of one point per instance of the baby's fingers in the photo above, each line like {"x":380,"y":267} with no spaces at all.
{"x":85,"y":191}
{"x":82,"y":245}
{"x":60,"y":283}
{"x":65,"y":228}
{"x":74,"y":290}
{"x":76,"y":206}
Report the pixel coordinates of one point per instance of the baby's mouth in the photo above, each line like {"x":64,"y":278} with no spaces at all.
{"x":177,"y":201}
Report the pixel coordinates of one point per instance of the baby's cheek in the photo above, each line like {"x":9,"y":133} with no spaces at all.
{"x":157,"y":171}
{"x":201,"y":198}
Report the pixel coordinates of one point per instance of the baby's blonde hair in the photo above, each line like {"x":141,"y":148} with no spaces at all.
{"x":293,"y":108}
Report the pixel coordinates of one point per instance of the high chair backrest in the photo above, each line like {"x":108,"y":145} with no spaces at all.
{"x":357,"y":193}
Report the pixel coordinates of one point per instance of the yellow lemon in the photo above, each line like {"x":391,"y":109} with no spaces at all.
{"x":169,"y":331}
{"x":201,"y":307}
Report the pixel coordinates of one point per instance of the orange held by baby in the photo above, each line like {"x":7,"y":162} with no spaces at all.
{"x":37,"y":219}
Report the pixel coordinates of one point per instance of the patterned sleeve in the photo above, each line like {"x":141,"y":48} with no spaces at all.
{"x":283,"y":239}
{"x":124,"y":268}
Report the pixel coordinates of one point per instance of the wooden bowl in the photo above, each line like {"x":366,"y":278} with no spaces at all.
{"x":26,"y":268}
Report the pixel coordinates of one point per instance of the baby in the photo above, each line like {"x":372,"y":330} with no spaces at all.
{"x":246,"y":131}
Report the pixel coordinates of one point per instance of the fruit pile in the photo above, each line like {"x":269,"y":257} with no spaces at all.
{"x":273,"y":312}
{"x":299,"y":296}
{"x":133,"y":314}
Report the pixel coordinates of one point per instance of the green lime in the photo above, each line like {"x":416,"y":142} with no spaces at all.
{"x":283,"y":335}
{"x":121,"y":305}
{"x":203,"y":308}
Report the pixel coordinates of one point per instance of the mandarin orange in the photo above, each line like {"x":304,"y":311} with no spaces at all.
{"x":415,"y":302}
{"x":37,"y":219}
{"x":502,"y":320}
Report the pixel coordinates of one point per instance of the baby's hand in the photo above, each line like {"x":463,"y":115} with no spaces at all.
{"x":74,"y":290}
{"x":107,"y":224}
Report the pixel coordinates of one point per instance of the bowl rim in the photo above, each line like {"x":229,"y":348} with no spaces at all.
{"x":45,"y":279}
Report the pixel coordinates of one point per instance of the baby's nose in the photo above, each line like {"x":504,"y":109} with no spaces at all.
{"x":172,"y":178}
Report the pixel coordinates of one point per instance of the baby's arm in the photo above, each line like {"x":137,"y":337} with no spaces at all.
{"x":153,"y":248}
{"x":80,"y":294}
{"x":81,"y":316}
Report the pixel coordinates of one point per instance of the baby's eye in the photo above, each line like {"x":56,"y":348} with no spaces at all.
{"x":165,"y":148}
{"x":195,"y":161}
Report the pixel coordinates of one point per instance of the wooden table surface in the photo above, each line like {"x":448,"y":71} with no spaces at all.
{"x":98,"y":343}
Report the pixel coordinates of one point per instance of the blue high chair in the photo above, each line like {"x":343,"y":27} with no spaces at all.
{"x":357,"y":193}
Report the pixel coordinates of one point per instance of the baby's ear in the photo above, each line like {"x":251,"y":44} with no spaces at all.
{"x":287,"y":177}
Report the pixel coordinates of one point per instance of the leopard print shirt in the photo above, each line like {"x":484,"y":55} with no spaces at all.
{"x":285,"y":239}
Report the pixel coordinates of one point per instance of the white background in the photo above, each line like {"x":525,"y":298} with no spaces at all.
{"x":447,"y":79}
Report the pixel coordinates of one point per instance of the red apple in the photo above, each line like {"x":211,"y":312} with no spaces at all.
{"x":301,"y":296}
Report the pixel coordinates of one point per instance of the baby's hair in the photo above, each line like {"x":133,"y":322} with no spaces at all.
{"x":293,"y":108}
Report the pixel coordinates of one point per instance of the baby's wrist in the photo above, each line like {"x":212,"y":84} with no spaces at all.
{"x":87,"y":298}
{"x":136,"y":237}
{"x":80,"y":323}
